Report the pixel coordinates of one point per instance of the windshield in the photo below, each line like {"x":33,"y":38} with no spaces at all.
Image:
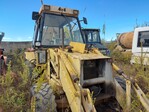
{"x":57,"y":26}
{"x":143,"y":38}
{"x":91,"y":36}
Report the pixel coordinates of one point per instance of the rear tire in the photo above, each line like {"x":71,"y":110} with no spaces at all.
{"x":43,"y":100}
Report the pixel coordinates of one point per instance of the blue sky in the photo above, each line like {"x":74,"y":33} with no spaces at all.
{"x":118,"y":15}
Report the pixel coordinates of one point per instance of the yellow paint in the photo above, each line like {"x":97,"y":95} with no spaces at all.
{"x":30,"y":55}
{"x":58,"y":10}
{"x":143,"y":99}
{"x":87,"y":56}
{"x":78,"y":47}
{"x":68,"y":65}
{"x":53,"y":58}
{"x":68,"y":86}
{"x":76,"y":63}
{"x":116,"y":68}
{"x":97,"y":51}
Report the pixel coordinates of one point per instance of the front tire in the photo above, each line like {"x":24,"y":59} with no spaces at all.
{"x":43,"y":100}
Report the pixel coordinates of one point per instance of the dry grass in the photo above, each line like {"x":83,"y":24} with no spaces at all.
{"x":138,"y":72}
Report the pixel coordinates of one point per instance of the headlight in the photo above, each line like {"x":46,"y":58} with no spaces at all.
{"x":37,"y":44}
{"x":42,"y":57}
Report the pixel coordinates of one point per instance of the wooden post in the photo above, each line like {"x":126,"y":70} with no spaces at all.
{"x":128,"y":95}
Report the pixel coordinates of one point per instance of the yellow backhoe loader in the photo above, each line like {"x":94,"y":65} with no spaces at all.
{"x":65,"y":74}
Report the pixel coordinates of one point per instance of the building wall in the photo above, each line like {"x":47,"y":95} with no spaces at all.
{"x":12,"y":46}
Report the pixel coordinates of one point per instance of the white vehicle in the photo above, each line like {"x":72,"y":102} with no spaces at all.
{"x":140,"y":46}
{"x":136,"y":42}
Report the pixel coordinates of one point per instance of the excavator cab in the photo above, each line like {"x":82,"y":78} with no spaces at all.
{"x":92,"y":39}
{"x":56,"y":30}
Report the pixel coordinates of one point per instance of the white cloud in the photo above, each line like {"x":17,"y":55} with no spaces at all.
{"x":20,"y":38}
{"x":29,"y":38}
{"x":6,"y":39}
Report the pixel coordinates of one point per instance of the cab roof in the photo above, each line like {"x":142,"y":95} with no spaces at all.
{"x":58,"y":10}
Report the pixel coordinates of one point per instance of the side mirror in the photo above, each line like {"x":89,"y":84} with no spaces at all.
{"x":35,"y":15}
{"x":84,"y":20}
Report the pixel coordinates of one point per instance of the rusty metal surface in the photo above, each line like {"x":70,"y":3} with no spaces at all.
{"x":125,"y":39}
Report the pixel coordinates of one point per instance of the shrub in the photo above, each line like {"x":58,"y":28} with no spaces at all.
{"x":121,"y":57}
{"x":15,"y":86}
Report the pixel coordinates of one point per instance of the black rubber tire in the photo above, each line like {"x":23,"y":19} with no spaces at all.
{"x":121,"y":82}
{"x":44,"y":99}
